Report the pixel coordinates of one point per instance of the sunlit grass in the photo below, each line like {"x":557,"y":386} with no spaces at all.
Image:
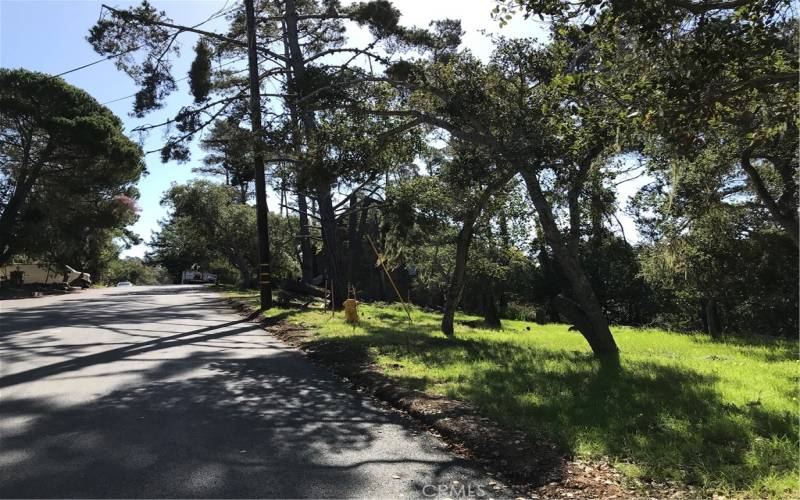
{"x":721,"y":415}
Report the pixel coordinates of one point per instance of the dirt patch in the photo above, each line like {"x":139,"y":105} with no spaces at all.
{"x":537,"y":468}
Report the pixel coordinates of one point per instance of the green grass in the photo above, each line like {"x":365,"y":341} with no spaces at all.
{"x":720,"y":415}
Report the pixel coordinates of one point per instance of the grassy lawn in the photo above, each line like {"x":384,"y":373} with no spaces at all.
{"x":722,"y":415}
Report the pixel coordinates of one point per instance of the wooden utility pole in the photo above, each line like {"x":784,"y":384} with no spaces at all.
{"x":265,"y":286}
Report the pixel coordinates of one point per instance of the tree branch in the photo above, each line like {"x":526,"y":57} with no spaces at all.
{"x":787,"y":221}
{"x":127,"y":15}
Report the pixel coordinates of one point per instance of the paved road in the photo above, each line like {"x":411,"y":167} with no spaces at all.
{"x":164,"y":392}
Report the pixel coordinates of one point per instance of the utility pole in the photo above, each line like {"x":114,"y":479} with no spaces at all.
{"x":264,"y":284}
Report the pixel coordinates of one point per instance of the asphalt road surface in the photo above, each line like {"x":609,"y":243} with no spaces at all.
{"x":165,"y":392}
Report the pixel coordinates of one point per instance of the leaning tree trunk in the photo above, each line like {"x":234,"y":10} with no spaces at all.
{"x":453,"y":293}
{"x":453,"y":296}
{"x":583,"y":309}
{"x":786,"y":219}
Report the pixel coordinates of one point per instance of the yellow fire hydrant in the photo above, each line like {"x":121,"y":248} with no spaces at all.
{"x":351,"y":311}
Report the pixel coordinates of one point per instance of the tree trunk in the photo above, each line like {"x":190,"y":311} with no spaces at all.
{"x":353,"y":240}
{"x":309,"y":123}
{"x":244,"y":276}
{"x":491,"y":315}
{"x":505,"y":239}
{"x":306,"y":249}
{"x":702,"y":315}
{"x":331,"y":246}
{"x":712,"y":318}
{"x":584,"y":311}
{"x":453,"y":296}
{"x":574,"y":210}
{"x":264,"y":272}
{"x":574,"y":193}
{"x":28,"y":174}
{"x":361,"y":229}
{"x":9,"y":217}
{"x":548,"y":269}
{"x":307,"y":257}
{"x":383,"y":287}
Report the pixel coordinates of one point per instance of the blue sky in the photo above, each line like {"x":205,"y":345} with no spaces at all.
{"x":49,"y":36}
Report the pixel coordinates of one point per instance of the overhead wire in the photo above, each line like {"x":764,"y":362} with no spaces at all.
{"x":112,"y":56}
{"x":219,"y":13}
{"x":228,"y":63}
{"x":216,"y":15}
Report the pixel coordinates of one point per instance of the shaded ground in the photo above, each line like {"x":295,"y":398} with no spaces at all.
{"x":163,"y":392}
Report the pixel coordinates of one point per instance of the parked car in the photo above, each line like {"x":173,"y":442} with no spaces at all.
{"x":42,"y":273}
{"x":124,"y":283}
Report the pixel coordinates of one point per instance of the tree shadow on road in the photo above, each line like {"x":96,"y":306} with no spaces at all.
{"x":180,"y":339}
{"x":270,"y":427}
{"x":122,"y":329}
{"x":101,"y":310}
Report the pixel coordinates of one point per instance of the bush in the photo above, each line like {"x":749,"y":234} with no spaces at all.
{"x":523,"y":312}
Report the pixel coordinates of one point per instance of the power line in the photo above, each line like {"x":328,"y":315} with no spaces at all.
{"x":178,"y":80}
{"x":216,"y":15}
{"x":119,"y":99}
{"x":97,"y":62}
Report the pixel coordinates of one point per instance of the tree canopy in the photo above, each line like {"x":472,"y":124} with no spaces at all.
{"x":67,"y":171}
{"x":406,"y":152}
